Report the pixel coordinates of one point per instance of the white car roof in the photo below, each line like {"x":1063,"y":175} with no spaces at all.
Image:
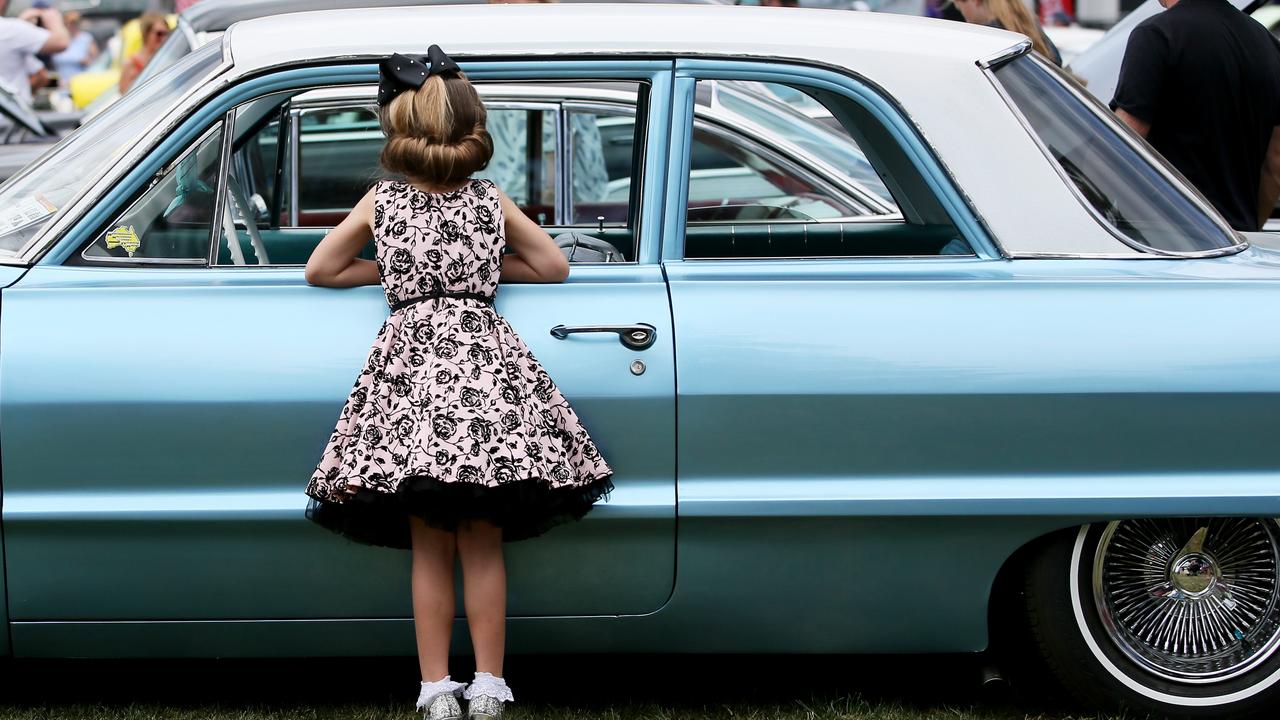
{"x":575,"y":29}
{"x":929,"y":67}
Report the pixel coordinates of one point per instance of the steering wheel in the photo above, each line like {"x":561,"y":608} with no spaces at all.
{"x":237,"y":201}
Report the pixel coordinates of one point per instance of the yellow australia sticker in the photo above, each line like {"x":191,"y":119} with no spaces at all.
{"x":124,"y":237}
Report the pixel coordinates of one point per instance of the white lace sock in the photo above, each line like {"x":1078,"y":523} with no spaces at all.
{"x":486,"y":684}
{"x":431,"y":689}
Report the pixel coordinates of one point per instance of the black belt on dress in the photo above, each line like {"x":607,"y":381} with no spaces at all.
{"x":478,"y":297}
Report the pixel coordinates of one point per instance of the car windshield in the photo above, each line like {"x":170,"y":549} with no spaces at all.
{"x":31,"y":199}
{"x":175,"y":47}
{"x":1125,"y":190}
{"x":798,"y":118}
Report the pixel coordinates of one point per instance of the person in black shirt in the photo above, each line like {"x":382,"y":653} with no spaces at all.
{"x":1201,"y":82}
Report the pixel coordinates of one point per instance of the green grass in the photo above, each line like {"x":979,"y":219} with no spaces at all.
{"x":546,"y":688}
{"x":848,"y":708}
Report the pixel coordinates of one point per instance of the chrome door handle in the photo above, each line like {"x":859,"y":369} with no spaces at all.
{"x":634,"y":337}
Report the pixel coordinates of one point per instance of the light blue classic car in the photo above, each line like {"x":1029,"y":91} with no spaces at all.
{"x":896,"y":339}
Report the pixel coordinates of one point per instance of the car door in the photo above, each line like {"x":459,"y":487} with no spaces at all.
{"x":168,"y":385}
{"x":827,"y":330}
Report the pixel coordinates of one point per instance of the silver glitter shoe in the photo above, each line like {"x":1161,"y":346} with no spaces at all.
{"x":438,"y":700}
{"x":443,"y":707}
{"x":484,"y":707}
{"x":485,"y":695}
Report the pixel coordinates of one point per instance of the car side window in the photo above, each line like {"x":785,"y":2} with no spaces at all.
{"x":524,"y":162}
{"x":564,"y":152}
{"x":777,"y":171}
{"x":602,"y":149}
{"x":169,"y":223}
{"x":338,"y":151}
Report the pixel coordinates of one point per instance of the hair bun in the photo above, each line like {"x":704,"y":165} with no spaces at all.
{"x":437,"y":133}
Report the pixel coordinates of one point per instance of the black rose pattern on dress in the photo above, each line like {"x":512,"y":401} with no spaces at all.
{"x":450,"y":401}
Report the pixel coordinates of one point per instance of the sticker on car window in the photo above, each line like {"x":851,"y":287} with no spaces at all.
{"x":25,"y":212}
{"x":124,"y":237}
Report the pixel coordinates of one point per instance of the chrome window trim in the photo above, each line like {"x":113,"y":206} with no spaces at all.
{"x":188,"y":33}
{"x":564,"y":167}
{"x":1128,"y":138}
{"x":145,"y":263}
{"x":225,"y":42}
{"x":295,"y":164}
{"x":220,"y":198}
{"x":850,"y":220}
{"x":75,"y":208}
{"x":991,"y":62}
{"x":162,"y":172}
{"x":1089,"y":256}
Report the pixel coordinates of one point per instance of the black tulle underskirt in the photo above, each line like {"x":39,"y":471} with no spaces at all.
{"x":523,"y":509}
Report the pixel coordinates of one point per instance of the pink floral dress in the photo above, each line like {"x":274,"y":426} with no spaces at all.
{"x":451,"y":417}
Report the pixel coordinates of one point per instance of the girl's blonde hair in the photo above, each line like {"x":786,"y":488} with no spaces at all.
{"x":436,"y":134}
{"x":1014,"y":15}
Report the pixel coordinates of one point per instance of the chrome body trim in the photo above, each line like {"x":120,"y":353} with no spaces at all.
{"x":993,"y":61}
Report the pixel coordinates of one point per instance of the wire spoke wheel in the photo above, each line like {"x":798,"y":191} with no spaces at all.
{"x":1190,"y":600}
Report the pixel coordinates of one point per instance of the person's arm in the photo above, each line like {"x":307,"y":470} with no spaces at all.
{"x":536,"y":258}
{"x":128,"y":74}
{"x":38,"y":79}
{"x":56,"y":38}
{"x":1140,"y":126}
{"x":1269,"y":188}
{"x":334,"y":263}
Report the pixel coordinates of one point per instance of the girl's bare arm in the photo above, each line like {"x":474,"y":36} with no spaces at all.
{"x":536,"y":258}
{"x":334,"y":263}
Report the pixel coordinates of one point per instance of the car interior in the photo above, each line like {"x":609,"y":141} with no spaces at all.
{"x":301,"y":159}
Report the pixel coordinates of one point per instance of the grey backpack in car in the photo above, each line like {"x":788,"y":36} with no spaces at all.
{"x":583,"y":248}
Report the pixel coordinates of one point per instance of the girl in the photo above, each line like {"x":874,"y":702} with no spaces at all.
{"x":454,"y":439}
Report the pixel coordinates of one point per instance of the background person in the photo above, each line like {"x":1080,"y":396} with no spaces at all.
{"x":80,"y":51}
{"x":154,"y":29}
{"x":1010,"y":15}
{"x":1201,"y":82}
{"x":21,"y":41}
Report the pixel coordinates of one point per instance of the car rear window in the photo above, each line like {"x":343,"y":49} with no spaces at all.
{"x":1125,"y":190}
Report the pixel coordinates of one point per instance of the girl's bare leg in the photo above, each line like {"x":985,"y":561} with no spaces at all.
{"x":484,"y":587}
{"x":433,"y":598}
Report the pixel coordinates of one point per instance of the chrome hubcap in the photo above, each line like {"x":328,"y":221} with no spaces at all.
{"x":1194,"y":574}
{"x":1190,"y":599}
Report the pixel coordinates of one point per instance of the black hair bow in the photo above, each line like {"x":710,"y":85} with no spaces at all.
{"x":402,"y":72}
